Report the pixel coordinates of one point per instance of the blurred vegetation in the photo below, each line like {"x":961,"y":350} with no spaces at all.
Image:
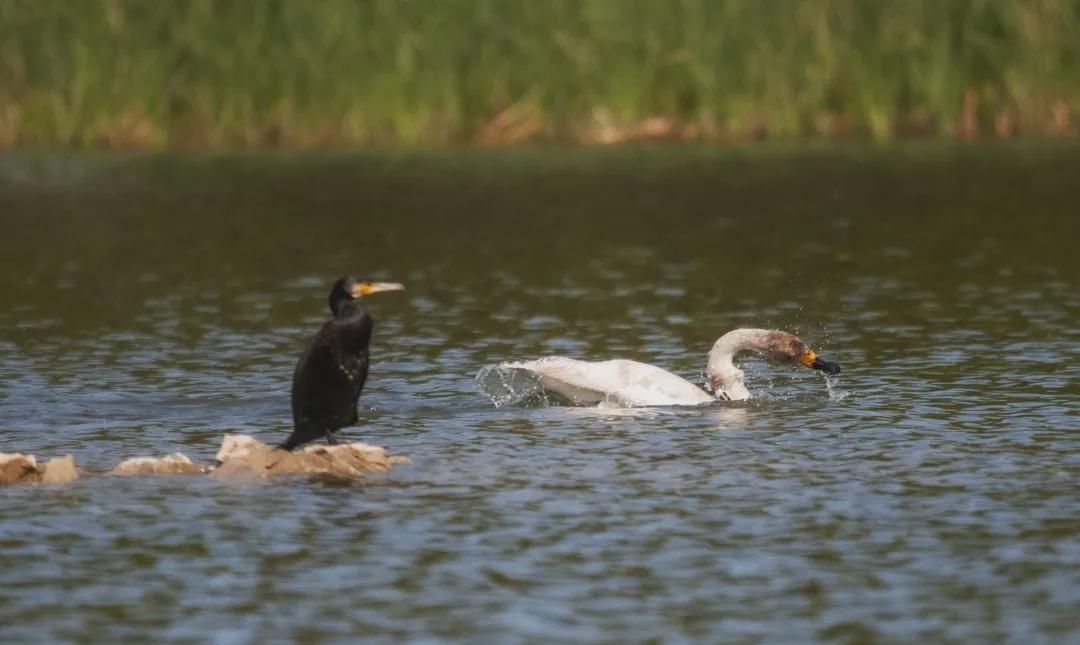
{"x":158,"y":73}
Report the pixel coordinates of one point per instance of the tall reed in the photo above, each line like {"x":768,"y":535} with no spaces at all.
{"x":151,"y":73}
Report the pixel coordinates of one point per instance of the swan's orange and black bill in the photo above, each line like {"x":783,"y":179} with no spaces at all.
{"x":367,"y":287}
{"x":811,"y":360}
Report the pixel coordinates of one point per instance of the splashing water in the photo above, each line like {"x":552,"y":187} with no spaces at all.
{"x":832,"y":384}
{"x":508,"y":387}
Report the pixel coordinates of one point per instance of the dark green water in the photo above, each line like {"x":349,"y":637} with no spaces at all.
{"x":151,"y":304}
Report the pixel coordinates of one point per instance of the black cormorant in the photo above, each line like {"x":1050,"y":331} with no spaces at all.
{"x":330,"y":375}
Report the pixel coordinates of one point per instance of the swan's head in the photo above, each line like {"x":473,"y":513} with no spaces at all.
{"x":726,"y":380}
{"x":785,"y":347}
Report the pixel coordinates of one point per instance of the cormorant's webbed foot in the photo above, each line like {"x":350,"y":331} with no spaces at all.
{"x":298,"y":438}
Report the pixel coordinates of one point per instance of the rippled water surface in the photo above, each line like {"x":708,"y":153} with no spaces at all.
{"x":151,"y":304}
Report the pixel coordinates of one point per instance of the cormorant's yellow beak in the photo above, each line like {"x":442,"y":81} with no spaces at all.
{"x":811,"y":360}
{"x":367,"y":288}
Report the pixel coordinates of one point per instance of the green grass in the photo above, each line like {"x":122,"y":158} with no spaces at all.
{"x":193,"y":73}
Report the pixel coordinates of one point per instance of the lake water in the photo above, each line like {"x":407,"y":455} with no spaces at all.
{"x":153,"y":303}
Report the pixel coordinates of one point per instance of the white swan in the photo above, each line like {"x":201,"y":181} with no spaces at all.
{"x":630,"y":383}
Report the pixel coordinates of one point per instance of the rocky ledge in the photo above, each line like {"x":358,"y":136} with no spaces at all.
{"x":240,"y":458}
{"x":243,"y":457}
{"x":17,"y":468}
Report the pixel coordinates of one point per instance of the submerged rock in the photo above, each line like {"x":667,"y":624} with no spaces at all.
{"x":60,"y":470}
{"x":174,"y":464}
{"x":18,"y":468}
{"x":243,"y":457}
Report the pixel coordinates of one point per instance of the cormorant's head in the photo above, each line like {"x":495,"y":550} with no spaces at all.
{"x":783,"y":346}
{"x":352,"y":288}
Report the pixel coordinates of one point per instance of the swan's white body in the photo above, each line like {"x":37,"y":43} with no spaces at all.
{"x":630,"y":383}
{"x":619,"y":382}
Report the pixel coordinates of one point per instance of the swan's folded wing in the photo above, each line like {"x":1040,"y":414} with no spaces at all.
{"x":624,"y":382}
{"x":573,"y":380}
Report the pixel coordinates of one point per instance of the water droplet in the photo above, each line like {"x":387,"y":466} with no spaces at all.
{"x":832,"y":384}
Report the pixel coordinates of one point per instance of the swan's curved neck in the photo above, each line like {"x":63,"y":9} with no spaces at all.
{"x":725,"y":379}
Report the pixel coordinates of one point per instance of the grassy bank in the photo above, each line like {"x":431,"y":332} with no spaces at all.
{"x":150,"y":73}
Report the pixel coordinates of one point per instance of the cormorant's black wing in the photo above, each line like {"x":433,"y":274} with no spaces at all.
{"x":328,"y":379}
